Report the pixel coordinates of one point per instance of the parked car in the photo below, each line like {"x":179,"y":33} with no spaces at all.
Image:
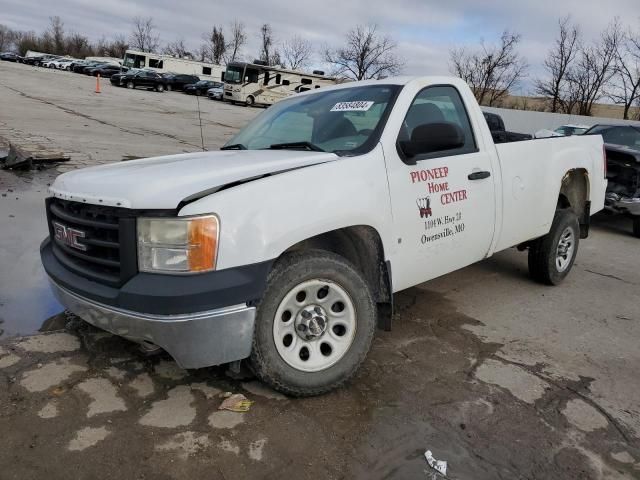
{"x":35,"y":60}
{"x":562,"y":131}
{"x":86,"y":65}
{"x":622,"y":144}
{"x":62,"y":63}
{"x":200,"y":87}
{"x":116,"y":78}
{"x":87,"y":70}
{"x":217,"y":92}
{"x":177,"y":81}
{"x":10,"y":57}
{"x":49,"y":62}
{"x":206,"y":255}
{"x":106,"y":71}
{"x":143,"y":78}
{"x":499,"y":132}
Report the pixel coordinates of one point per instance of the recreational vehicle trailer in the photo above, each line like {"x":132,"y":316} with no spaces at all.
{"x":257,"y":83}
{"x":167,"y":63}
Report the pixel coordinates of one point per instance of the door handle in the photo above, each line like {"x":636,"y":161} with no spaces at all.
{"x":479,"y":175}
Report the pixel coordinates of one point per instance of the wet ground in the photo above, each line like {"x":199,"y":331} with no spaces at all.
{"x":501,"y":377}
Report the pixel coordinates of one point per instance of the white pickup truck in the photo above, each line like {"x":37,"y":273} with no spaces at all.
{"x":286,"y":246}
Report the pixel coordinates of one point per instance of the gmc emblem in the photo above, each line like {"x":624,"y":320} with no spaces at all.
{"x":68,"y":236}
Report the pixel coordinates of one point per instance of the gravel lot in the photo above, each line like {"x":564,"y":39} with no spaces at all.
{"x":501,"y":377}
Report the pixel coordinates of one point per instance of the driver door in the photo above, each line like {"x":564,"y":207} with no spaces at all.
{"x":443,"y":201}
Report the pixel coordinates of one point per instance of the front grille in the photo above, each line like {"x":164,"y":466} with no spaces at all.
{"x":109,"y":239}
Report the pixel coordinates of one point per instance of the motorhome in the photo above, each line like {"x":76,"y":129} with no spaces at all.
{"x":168,"y":63}
{"x":258,"y":83}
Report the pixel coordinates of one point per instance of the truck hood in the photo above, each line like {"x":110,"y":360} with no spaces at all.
{"x":164,"y":182}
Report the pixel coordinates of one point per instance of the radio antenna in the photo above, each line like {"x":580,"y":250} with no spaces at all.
{"x":200,"y":121}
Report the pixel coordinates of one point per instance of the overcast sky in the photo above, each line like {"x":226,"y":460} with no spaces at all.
{"x":425,"y":30}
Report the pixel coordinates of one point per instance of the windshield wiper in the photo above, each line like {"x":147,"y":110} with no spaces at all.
{"x":235,"y":146}
{"x":296,"y":146}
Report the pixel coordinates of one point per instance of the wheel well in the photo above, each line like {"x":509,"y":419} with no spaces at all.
{"x":362,"y":246}
{"x":574,"y":194}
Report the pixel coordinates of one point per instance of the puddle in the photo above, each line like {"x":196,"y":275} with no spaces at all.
{"x":26,"y":301}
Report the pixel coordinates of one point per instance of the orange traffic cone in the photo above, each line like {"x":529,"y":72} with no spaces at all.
{"x":98,"y":83}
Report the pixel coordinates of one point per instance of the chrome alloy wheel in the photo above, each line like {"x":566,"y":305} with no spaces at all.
{"x":566,"y":247}
{"x":315,"y":325}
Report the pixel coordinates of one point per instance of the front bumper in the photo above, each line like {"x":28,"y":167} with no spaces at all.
{"x":201,"y":320}
{"x":194,"y":340}
{"x":616,"y":203}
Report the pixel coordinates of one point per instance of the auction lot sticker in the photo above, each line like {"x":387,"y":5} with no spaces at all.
{"x":358,"y":106}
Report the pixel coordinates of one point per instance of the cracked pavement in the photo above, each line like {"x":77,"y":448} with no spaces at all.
{"x":499,"y":376}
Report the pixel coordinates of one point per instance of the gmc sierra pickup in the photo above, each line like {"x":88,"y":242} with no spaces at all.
{"x":286,"y":246}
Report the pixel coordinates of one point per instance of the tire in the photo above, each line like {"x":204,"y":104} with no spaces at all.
{"x":350,"y":329}
{"x":636,"y":226}
{"x":169,"y":88}
{"x":159,"y":88}
{"x":250,"y":101}
{"x":130,"y":85}
{"x":551,"y":257}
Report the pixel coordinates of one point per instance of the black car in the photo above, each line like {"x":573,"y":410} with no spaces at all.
{"x":144,"y":78}
{"x":82,"y":67}
{"x":9,"y":57}
{"x":622,"y":146}
{"x":199,"y":88}
{"x":106,"y":71}
{"x":177,"y":81}
{"x":89,"y":68}
{"x":33,"y":60}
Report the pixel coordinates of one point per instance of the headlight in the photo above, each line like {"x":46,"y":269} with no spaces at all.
{"x":178,"y":245}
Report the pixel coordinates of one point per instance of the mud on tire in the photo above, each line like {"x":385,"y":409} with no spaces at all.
{"x":288,"y":274}
{"x":551,"y":257}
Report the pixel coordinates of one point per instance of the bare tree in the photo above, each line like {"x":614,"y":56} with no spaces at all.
{"x":296,"y":53}
{"x":595,"y":68}
{"x":626,"y":88}
{"x":7,"y":37}
{"x":178,"y":49}
{"x":78,"y":46}
{"x":558,"y":63}
{"x":367,"y":54}
{"x":238,"y":38}
{"x":493,"y":70}
{"x":143,"y":36}
{"x":56,"y":34}
{"x":117,"y":47}
{"x":215,"y":46}
{"x":267,"y":52}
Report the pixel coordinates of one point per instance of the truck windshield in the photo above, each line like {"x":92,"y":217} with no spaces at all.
{"x":344,"y":121}
{"x":233,"y":74}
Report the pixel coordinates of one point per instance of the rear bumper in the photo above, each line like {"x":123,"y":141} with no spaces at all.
{"x":194,"y":340}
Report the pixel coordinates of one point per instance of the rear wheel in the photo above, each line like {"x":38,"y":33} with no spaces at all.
{"x":636,"y":226}
{"x":551,"y":257}
{"x":314,"y":325}
{"x":169,"y":88}
{"x":159,"y":88}
{"x":130,"y":84}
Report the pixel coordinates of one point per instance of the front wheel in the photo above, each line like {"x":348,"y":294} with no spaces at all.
{"x":169,"y":88}
{"x":130,"y":85}
{"x":159,"y":88}
{"x":636,"y":226}
{"x":250,"y":101}
{"x":551,"y":257}
{"x":314,"y":324}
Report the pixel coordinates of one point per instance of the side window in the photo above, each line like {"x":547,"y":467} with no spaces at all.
{"x":306,"y":81}
{"x":252,"y":75}
{"x":285,"y":82}
{"x":266,"y":78}
{"x":438,"y":105}
{"x":278,"y":78}
{"x":206,"y":70}
{"x":153,"y":63}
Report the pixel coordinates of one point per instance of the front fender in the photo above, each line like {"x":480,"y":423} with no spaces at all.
{"x":261,"y":219}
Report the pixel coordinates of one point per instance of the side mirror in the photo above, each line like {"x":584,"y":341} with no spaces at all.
{"x":433,"y":137}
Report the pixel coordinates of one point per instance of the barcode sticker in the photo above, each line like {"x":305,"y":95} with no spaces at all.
{"x":358,"y":106}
